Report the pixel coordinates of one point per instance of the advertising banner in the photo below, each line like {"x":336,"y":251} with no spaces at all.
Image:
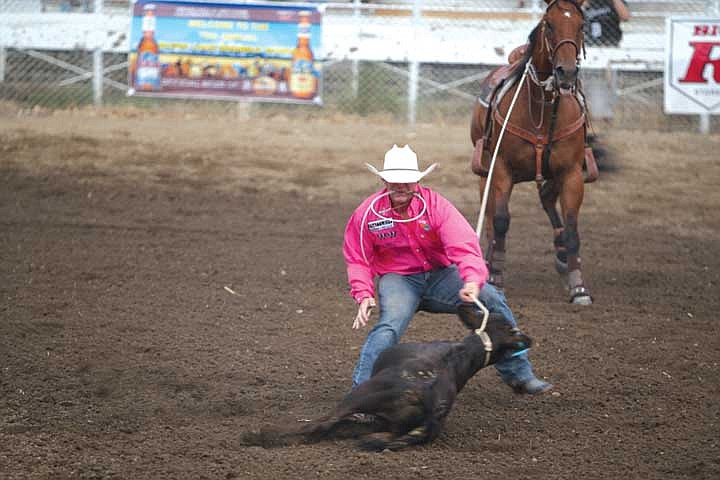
{"x":692,"y":66}
{"x":225,"y":50}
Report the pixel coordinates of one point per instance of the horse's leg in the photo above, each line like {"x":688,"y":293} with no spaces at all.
{"x":487,"y":219}
{"x":571,"y":198}
{"x":498,"y":222}
{"x":549,"y":192}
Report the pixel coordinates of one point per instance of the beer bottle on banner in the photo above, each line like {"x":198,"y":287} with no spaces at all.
{"x":303,"y":83}
{"x":147,"y":67}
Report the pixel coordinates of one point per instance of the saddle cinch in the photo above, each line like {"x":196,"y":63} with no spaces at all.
{"x":492,"y":89}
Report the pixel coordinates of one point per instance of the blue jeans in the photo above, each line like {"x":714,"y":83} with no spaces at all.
{"x":400,"y":296}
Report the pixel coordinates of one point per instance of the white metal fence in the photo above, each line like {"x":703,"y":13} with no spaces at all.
{"x":415,"y":59}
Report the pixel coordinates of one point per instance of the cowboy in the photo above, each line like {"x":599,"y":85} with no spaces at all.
{"x":426,"y":256}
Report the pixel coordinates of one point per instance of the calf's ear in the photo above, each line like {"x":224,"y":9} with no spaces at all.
{"x":472,"y":318}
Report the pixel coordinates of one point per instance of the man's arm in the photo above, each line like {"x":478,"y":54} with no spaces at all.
{"x":359,"y":272}
{"x":461,"y":244}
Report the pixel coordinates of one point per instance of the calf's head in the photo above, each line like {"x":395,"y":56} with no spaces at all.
{"x":505,"y":339}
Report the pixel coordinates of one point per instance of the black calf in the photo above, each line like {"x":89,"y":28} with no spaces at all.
{"x":413,"y":385}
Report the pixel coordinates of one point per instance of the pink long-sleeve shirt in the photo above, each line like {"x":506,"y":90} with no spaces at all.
{"x":440,"y":237}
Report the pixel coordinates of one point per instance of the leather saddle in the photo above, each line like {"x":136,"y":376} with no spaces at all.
{"x":493,"y":82}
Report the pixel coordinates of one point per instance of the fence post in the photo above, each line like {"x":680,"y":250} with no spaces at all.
{"x":98,"y":67}
{"x":97,"y":76}
{"x":414,"y":66}
{"x":3,"y":59}
{"x":704,"y":123}
{"x":355,"y":63}
{"x":412,"y":91}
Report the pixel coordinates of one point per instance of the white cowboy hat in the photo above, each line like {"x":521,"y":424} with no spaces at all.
{"x":401,"y":166}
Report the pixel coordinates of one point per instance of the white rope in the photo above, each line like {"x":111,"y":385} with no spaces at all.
{"x":398,"y":220}
{"x":484,"y":337}
{"x":488,"y":182}
{"x":486,"y":314}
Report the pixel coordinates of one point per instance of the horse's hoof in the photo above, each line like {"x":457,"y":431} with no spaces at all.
{"x":560,"y":266}
{"x":582,"y":300}
{"x":580,"y":296}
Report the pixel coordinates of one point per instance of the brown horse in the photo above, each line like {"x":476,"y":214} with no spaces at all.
{"x":544,"y":140}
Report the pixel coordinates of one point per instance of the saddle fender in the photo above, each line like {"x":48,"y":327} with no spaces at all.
{"x":591,"y":173}
{"x":476,"y":164}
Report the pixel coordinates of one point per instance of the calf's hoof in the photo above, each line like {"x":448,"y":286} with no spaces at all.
{"x":362,"y":418}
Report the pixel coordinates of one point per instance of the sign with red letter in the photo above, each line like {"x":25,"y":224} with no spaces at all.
{"x":692,"y":65}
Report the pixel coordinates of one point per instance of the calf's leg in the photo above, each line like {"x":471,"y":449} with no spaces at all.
{"x":384,"y":395}
{"x":437,"y":400}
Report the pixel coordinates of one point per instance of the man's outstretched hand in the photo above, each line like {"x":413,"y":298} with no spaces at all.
{"x":363,"y":314}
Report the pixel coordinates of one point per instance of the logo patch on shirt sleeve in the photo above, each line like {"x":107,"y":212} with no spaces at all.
{"x":378,"y":225}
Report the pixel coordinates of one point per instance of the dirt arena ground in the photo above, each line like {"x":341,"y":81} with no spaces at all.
{"x":124,"y":354}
